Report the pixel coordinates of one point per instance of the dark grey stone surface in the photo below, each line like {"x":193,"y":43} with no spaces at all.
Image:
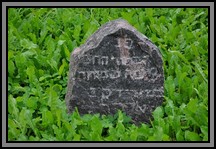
{"x":117,"y":68}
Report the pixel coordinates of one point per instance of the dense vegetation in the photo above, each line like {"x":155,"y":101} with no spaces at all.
{"x":40,"y":41}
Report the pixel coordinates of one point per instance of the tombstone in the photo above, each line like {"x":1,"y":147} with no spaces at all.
{"x":117,"y":68}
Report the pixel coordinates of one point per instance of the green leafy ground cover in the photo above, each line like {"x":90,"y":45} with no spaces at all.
{"x":40,"y":41}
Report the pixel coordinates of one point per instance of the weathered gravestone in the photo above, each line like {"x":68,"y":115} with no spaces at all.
{"x":117,"y":68}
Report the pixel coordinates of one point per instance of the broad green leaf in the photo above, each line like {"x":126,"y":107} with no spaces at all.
{"x":195,"y":50}
{"x":187,"y":88}
{"x":203,"y":90}
{"x":32,"y":102}
{"x":59,"y":115}
{"x":144,"y":130}
{"x":87,"y":117}
{"x":52,"y":99}
{"x":75,"y":118}
{"x":158,"y":113}
{"x":76,"y":32}
{"x":67,"y":52}
{"x":200,"y":71}
{"x":47,"y":118}
{"x":179,"y":136}
{"x":10,"y":55}
{"x":191,"y":136}
{"x":105,"y":122}
{"x":120,"y":129}
{"x":202,"y":114}
{"x":29,"y":53}
{"x":158,"y":133}
{"x":177,"y":123}
{"x":133,"y":133}
{"x":197,"y":92}
{"x":85,"y":132}
{"x":127,"y":16}
{"x":11,"y":67}
{"x":198,"y":15}
{"x":22,"y":137}
{"x":53,"y":64}
{"x":165,"y":137}
{"x":33,"y":37}
{"x":30,"y":71}
{"x":60,"y":42}
{"x":180,"y":56}
{"x":43,"y":34}
{"x":20,"y":61}
{"x":61,"y":69}
{"x":76,"y":137}
{"x":170,"y":86}
{"x":58,"y":132}
{"x":95,"y":137}
{"x":50,"y":44}
{"x":204,"y":130}
{"x":25,"y":119}
{"x":13,"y":128}
{"x":192,"y":105}
{"x":47,"y":136}
{"x":96,"y":125}
{"x":120,"y":116}
{"x":46,"y":76}
{"x":57,"y":88}
{"x":89,"y":32}
{"x":149,"y":12}
{"x":31,"y":138}
{"x":152,"y":138}
{"x":27,"y":44}
{"x":169,"y":108}
{"x":12,"y":106}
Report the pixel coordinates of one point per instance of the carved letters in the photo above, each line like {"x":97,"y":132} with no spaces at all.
{"x":105,"y":60}
{"x":141,"y":74}
{"x":105,"y":93}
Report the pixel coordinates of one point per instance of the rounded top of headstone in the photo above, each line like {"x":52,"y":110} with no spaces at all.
{"x":107,"y":29}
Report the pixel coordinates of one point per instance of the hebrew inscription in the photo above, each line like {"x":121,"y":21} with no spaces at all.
{"x":117,"y":68}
